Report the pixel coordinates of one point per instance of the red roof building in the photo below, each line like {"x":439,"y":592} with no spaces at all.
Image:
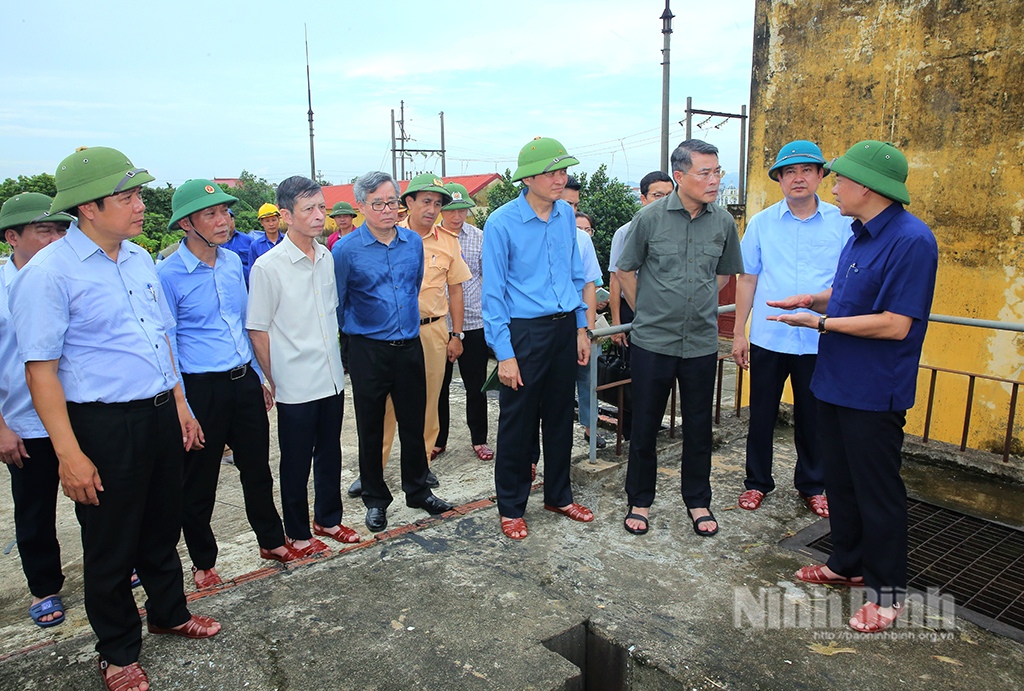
{"x":474,"y":184}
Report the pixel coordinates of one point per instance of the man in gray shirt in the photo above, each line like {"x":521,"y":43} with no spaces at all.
{"x":687,"y":248}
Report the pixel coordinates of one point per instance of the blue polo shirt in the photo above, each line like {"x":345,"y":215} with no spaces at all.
{"x":888,"y":265}
{"x":239,"y":244}
{"x":15,"y":399}
{"x":208,"y":304}
{"x":532,"y":268}
{"x":378,"y":284}
{"x":104,"y":320}
{"x":790,"y":256}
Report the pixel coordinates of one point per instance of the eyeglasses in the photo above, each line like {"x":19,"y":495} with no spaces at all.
{"x":705,"y":175}
{"x":655,"y":196}
{"x":392,"y":204}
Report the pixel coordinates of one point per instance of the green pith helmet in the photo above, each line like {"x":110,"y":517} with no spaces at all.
{"x":800,"y":151}
{"x":343,"y":209}
{"x":542,"y":155}
{"x":193,"y":196}
{"x":29,"y":207}
{"x":427,"y":182}
{"x":460,"y":197}
{"x":879,"y":166}
{"x":94,"y":173}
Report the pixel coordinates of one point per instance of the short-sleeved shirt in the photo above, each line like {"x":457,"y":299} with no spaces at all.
{"x":677,"y":289}
{"x":15,"y":399}
{"x":471,"y":240}
{"x":588,"y":255}
{"x":532,"y":268}
{"x":790,"y":256}
{"x":888,"y":265}
{"x":443,"y":266}
{"x":295,"y":301}
{"x":209,"y":305}
{"x":239,"y":244}
{"x":378,"y":284}
{"x":105,"y":321}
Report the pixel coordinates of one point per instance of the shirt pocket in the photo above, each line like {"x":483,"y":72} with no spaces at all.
{"x":860,"y":290}
{"x":664,"y":255}
{"x":709,"y":258}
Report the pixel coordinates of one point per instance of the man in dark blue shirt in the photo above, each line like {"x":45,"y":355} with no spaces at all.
{"x":378,"y":269}
{"x":875,"y":316}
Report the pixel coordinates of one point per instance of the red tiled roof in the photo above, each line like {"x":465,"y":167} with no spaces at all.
{"x":472,"y":183}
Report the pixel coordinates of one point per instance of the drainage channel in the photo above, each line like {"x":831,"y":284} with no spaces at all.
{"x":979,"y":563}
{"x":604,"y":664}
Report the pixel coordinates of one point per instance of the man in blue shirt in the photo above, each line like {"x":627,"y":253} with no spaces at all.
{"x":873,"y":321}
{"x":92,"y":328}
{"x":27,"y":226}
{"x":262,"y":241}
{"x":536,"y":323}
{"x":790,"y":247}
{"x":207,"y":297}
{"x":239,"y":243}
{"x":379,"y":269}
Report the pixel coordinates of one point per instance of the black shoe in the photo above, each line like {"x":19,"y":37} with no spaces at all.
{"x":432,"y":480}
{"x":431,"y":504}
{"x":599,"y":443}
{"x":356,"y":490}
{"x":376,"y":519}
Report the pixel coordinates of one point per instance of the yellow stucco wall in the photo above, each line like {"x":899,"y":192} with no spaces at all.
{"x":944,"y":81}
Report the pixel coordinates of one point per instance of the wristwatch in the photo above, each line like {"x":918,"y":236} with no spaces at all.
{"x":459,"y":334}
{"x":821,"y":324}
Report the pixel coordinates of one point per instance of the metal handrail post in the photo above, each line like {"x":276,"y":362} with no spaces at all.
{"x":595,"y":348}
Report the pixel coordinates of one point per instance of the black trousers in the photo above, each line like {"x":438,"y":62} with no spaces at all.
{"x":34,"y":489}
{"x":136,"y":448}
{"x":653,"y":375}
{"x":545,"y":351}
{"x":310,"y":433}
{"x":473,"y":368}
{"x":768,"y":373}
{"x":343,"y":345}
{"x":232,"y":412}
{"x":377,"y":369}
{"x":867,"y":500}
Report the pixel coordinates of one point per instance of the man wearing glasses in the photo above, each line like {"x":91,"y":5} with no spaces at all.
{"x":790,"y":247}
{"x":379,"y":268}
{"x":686,"y":248}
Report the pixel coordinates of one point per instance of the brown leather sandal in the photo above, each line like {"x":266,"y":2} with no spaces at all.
{"x":343,"y":534}
{"x":196,"y":627}
{"x":818,"y":504}
{"x":130,"y":677}
{"x":576,"y":512}
{"x":513,"y":525}
{"x":752,"y":497}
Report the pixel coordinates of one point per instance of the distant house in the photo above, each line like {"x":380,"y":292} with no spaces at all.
{"x":728,"y":195}
{"x":230,"y":182}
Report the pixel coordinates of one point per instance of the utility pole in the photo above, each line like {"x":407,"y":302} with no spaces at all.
{"x":398,"y":150}
{"x":394,"y":161}
{"x":444,"y":172}
{"x":666,"y":30}
{"x":309,"y":93}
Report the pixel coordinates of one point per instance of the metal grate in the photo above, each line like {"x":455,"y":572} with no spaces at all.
{"x":978,"y":562}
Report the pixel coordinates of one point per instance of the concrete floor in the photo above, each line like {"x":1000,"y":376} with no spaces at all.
{"x":449,"y":602}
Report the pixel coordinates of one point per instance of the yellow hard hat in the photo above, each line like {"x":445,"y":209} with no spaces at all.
{"x":268,"y":209}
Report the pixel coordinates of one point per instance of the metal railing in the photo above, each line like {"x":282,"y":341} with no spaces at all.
{"x":595,"y":349}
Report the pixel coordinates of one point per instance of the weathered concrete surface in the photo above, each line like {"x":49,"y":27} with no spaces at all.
{"x":944,"y":81}
{"x":453,"y":604}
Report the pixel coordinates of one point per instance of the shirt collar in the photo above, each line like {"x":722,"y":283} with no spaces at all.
{"x":84,"y":246}
{"x":527,"y":213}
{"x":187,"y":258}
{"x":296,"y":254}
{"x":10,"y":271}
{"x":784,"y":209}
{"x":878,"y":223}
{"x":367,"y":238}
{"x":676,"y":204}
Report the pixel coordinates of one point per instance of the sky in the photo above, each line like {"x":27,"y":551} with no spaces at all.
{"x":199,"y":89}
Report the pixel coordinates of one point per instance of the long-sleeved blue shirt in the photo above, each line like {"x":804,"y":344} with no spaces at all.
{"x":532,"y":268}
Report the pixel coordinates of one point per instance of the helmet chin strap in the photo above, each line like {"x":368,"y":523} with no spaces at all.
{"x":196,"y":231}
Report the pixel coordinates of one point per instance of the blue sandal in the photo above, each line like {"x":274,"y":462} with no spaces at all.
{"x":49,"y":606}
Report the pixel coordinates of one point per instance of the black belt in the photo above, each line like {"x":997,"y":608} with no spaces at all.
{"x":552,"y":317}
{"x":232,"y":374}
{"x":154,"y":402}
{"x":428,"y":320}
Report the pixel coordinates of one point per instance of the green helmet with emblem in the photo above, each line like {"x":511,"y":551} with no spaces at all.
{"x":93,"y":173}
{"x":196,"y":195}
{"x":29,"y":207}
{"x":542,"y":155}
{"x":879,"y":166}
{"x":426,"y":182}
{"x":460,"y":197}
{"x":343,"y":209}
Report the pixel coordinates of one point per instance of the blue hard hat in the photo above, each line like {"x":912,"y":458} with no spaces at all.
{"x":800,"y":151}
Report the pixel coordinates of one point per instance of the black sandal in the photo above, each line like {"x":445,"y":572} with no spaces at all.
{"x":704,"y":519}
{"x":635,"y":517}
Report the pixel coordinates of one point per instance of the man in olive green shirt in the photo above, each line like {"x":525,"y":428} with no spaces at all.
{"x":686,"y":248}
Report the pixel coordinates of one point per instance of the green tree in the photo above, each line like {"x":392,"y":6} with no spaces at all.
{"x":502,"y":192}
{"x":611,"y":203}
{"x":252,"y":193}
